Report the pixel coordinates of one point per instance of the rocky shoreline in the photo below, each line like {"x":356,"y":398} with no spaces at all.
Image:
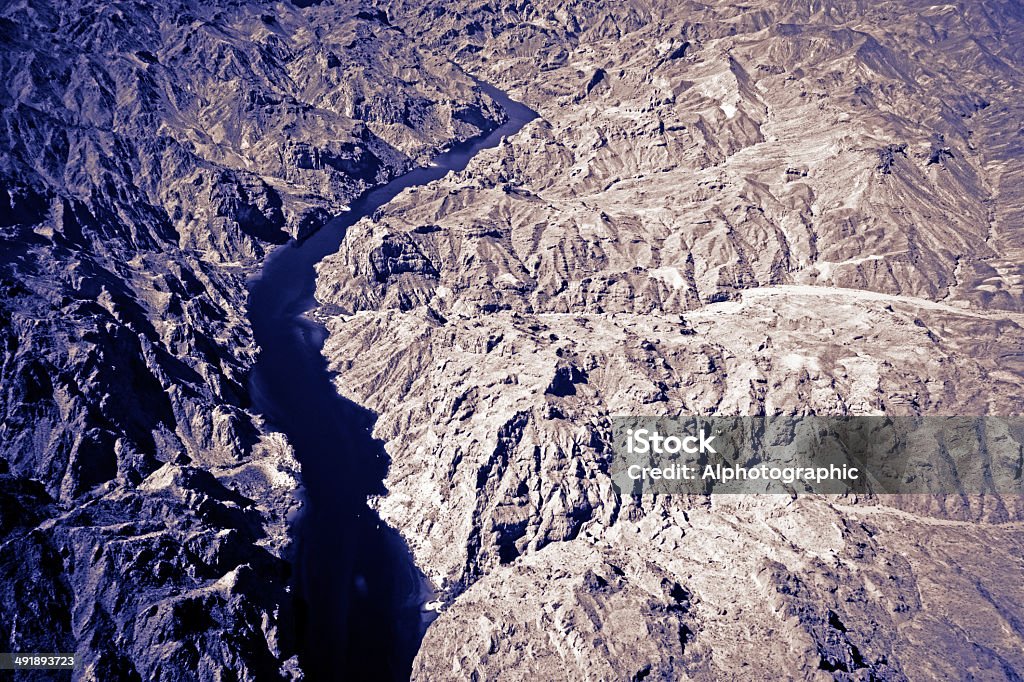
{"x":766,"y":209}
{"x":773,"y":207}
{"x":153,"y":156}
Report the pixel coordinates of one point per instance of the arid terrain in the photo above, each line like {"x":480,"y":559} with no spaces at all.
{"x":758,"y":208}
{"x":152,"y":155}
{"x":771,"y":207}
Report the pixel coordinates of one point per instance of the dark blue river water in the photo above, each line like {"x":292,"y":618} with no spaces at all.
{"x":359,"y":594}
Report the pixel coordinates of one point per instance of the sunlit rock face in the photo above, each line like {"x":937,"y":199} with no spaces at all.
{"x":757,"y":208}
{"x":151,"y":154}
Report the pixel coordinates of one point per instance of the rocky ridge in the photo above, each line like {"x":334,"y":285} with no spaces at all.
{"x":152,"y":155}
{"x":768,"y":208}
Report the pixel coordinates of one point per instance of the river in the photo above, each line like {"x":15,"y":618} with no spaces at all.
{"x":359,"y":594}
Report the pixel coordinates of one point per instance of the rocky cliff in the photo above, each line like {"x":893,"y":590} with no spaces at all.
{"x":761,"y":208}
{"x":150,"y":156}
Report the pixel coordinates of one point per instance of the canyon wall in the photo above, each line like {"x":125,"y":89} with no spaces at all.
{"x":757,"y":208}
{"x":152,"y":155}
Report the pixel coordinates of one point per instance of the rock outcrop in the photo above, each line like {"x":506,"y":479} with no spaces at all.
{"x":729,"y":209}
{"x":150,"y":156}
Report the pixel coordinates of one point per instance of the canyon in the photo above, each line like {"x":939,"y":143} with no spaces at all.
{"x":758,"y":208}
{"x":780,"y":207}
{"x":153,"y":155}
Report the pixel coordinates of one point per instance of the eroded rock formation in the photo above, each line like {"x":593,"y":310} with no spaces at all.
{"x":759,"y":208}
{"x":152,"y":154}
